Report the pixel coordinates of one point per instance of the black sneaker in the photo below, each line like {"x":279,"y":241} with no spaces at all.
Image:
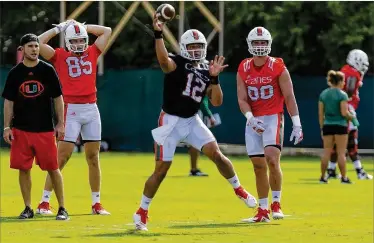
{"x":323,"y":180}
{"x":62,"y":214}
{"x":346,"y":180}
{"x":27,"y":213}
{"x":197,"y":172}
{"x":331,"y":174}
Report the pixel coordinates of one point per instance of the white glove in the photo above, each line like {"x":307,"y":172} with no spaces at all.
{"x":61,"y":27}
{"x":297,"y":134}
{"x":254,"y":123}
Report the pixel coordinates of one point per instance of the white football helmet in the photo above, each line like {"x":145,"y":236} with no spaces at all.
{"x":359,"y":60}
{"x":193,"y":36}
{"x":259,"y":34}
{"x":73,"y":32}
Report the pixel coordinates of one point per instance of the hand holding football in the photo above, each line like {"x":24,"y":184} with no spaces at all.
{"x":165,"y":12}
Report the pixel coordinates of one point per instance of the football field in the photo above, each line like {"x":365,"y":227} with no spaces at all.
{"x":190,"y":209}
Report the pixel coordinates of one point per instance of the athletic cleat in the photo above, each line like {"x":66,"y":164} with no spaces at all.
{"x":261,"y":216}
{"x":98,"y":209}
{"x":62,"y":214}
{"x":197,"y":172}
{"x":323,"y":180}
{"x":331,"y":174}
{"x":346,"y":181}
{"x":247,"y":198}
{"x":44,"y":209}
{"x":276,"y":211}
{"x":27,"y":213}
{"x":362,"y":175}
{"x":140,"y":219}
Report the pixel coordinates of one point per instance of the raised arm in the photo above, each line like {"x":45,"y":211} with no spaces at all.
{"x":46,"y":51}
{"x":166,"y":63}
{"x":103,"y":34}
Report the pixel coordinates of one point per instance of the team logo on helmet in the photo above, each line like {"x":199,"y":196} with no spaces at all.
{"x":195,"y":35}
{"x":77,"y":30}
{"x":259,"y":31}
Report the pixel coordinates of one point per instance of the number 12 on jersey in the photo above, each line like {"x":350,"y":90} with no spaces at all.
{"x":194,"y":88}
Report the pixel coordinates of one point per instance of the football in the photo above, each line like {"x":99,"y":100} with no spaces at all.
{"x":165,"y":12}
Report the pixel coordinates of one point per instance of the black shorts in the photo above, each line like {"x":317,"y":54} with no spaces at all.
{"x":334,"y":130}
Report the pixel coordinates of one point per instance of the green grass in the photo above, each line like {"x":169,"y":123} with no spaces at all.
{"x":190,"y":209}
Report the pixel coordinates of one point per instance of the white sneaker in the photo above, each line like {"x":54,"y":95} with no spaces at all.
{"x":364,"y":176}
{"x":44,"y":209}
{"x":140,"y":219}
{"x":246,"y":197}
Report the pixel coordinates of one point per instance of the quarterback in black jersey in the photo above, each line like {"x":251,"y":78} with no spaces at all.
{"x":187,"y":80}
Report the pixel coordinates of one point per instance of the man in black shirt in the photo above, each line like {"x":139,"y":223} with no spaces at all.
{"x":187,"y":80}
{"x":28,"y":121}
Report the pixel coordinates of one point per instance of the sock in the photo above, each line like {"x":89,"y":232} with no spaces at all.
{"x":234,"y":181}
{"x":95,"y":197}
{"x":357,"y":164}
{"x":276,"y":196}
{"x":145,"y":202}
{"x":46,"y":196}
{"x":332,"y":165}
{"x":263,"y":203}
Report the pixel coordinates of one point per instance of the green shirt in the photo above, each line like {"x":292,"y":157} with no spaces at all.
{"x":331,"y":99}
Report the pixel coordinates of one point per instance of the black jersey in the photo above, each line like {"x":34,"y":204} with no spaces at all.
{"x":32,"y":90}
{"x":185,"y":87}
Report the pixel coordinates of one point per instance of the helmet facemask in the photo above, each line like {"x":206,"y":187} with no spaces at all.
{"x":259,"y":47}
{"x":77,"y":45}
{"x":194,"y":51}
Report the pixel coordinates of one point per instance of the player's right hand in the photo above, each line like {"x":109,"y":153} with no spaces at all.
{"x":8,"y":135}
{"x":157,"y":25}
{"x":256,"y":125}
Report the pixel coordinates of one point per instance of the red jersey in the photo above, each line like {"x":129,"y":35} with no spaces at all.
{"x":77,"y":74}
{"x":264,"y":93}
{"x":353,"y":81}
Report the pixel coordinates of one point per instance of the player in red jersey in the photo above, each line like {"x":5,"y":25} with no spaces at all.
{"x":76,"y":67}
{"x":264,"y":85}
{"x":354,"y":71}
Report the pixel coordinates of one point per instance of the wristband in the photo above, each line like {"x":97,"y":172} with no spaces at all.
{"x":158,"y":34}
{"x":296,"y":121}
{"x":214,"y":80}
{"x":6,"y":128}
{"x":248,"y":115}
{"x":57,"y":30}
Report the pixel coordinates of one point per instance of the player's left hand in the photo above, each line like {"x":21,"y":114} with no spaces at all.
{"x":216,"y":66}
{"x":297,"y":134}
{"x":60,"y":131}
{"x":63,"y":26}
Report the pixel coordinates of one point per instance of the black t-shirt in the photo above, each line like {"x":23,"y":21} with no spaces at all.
{"x":185,"y":87}
{"x":32,"y":90}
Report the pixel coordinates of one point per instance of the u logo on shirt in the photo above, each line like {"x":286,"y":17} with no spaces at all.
{"x":31,"y":89}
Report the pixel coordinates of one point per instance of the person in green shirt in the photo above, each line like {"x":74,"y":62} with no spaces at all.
{"x":333,"y":116}
{"x":194,"y":153}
